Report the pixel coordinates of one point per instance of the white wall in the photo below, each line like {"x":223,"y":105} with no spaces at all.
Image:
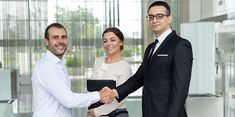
{"x":202,"y":37}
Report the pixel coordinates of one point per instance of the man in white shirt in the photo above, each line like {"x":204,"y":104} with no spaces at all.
{"x":52,"y":95}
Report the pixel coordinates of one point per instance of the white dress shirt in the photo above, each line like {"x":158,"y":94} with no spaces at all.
{"x":52,"y":95}
{"x":161,"y":38}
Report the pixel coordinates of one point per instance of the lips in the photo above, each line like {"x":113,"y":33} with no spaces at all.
{"x":60,"y":47}
{"x":155,"y":25}
{"x":109,"y":48}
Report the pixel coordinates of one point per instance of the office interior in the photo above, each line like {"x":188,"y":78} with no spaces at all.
{"x":208,"y":24}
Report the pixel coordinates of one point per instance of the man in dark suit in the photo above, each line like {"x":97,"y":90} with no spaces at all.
{"x":165,"y":75}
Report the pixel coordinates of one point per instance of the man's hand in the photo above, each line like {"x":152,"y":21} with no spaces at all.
{"x":106,"y":95}
{"x":114,"y":93}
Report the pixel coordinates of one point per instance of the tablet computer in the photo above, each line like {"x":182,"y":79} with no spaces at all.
{"x":97,"y":85}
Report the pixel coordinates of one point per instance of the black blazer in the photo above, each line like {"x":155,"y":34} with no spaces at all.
{"x":165,"y":79}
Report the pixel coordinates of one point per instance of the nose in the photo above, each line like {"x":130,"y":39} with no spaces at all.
{"x":60,"y":40}
{"x":108,"y":43}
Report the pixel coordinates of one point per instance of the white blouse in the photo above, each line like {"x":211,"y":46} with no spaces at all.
{"x":119,"y":71}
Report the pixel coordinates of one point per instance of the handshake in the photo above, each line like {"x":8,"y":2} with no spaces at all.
{"x":107,"y":95}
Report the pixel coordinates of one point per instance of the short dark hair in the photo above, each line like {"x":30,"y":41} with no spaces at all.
{"x":161,"y":3}
{"x":117,"y":32}
{"x":57,"y":25}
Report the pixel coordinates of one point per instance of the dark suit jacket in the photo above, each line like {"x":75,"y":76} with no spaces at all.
{"x":165,"y":79}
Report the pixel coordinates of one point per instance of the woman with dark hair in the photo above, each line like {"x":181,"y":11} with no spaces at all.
{"x":111,"y":67}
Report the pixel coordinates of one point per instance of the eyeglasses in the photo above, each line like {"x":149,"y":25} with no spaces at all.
{"x":158,"y":16}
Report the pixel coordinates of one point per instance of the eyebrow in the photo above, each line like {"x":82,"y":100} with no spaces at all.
{"x":54,"y":35}
{"x":159,"y":14}
{"x":64,"y":36}
{"x":109,"y":38}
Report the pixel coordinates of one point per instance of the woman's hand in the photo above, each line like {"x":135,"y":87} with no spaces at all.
{"x":90,"y":113}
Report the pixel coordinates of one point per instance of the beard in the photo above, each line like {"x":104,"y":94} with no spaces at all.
{"x":58,"y":53}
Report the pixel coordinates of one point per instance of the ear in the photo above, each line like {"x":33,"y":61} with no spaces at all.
{"x":121,"y":43}
{"x":46,"y":42}
{"x":169,"y":19}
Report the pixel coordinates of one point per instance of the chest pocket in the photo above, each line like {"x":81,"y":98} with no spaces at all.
{"x":161,"y":63}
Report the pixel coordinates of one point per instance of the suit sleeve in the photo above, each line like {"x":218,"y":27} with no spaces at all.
{"x":131,"y":85}
{"x":134,"y":82}
{"x":182,"y":67}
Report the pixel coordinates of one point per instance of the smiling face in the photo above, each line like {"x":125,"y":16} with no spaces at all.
{"x":160,"y":25}
{"x":56,"y":41}
{"x":112,"y":44}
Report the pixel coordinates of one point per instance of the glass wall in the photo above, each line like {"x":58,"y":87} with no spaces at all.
{"x":22,"y":25}
{"x":225,"y":46}
{"x":222,"y":14}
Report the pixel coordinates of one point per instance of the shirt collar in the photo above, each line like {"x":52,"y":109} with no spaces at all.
{"x":163,"y":36}
{"x":52,"y":57}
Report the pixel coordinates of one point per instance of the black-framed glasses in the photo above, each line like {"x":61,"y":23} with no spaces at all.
{"x":158,"y":16}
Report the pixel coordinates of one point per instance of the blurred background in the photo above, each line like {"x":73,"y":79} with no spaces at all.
{"x":208,"y":24}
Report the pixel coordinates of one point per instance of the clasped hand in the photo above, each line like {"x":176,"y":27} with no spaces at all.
{"x":106,"y":95}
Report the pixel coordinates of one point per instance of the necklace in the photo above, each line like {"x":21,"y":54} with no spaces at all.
{"x":112,"y":60}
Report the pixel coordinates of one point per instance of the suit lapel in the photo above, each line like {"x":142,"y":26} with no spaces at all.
{"x":147,"y":52}
{"x":146,"y":55}
{"x":164,"y":43}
